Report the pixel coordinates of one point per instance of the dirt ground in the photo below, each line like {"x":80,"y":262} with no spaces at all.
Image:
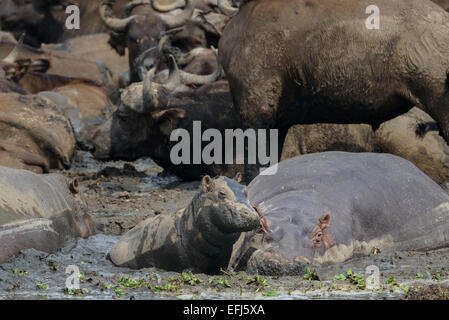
{"x":121,"y":194}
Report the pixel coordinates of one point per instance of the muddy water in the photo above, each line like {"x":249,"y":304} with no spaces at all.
{"x":121,"y":194}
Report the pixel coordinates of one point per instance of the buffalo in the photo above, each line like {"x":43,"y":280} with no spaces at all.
{"x":34,"y":134}
{"x":141,"y":29}
{"x":413,"y":136}
{"x":149,"y":112}
{"x":36,"y":18}
{"x":83,"y":101}
{"x":319,"y":62}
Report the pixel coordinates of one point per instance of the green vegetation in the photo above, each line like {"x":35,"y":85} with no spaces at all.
{"x":340,"y":277}
{"x":107,"y":286}
{"x":395,"y":285}
{"x":270,"y":293}
{"x":436,"y":276}
{"x":355,"y":279}
{"x":20,"y":273}
{"x":189,"y":278}
{"x":130,"y":283}
{"x":76,"y":292}
{"x":392,"y":282}
{"x":257,"y":280}
{"x":119,"y":292}
{"x":311,"y":275}
{"x":41,"y":286}
{"x":224,"y":282}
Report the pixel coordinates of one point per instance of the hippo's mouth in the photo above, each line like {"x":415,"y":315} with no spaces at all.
{"x":236,"y":218}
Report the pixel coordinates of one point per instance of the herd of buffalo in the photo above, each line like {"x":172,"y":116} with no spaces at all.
{"x":362,"y":116}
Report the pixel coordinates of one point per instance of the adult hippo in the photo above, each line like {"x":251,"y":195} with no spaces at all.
{"x":43,"y":212}
{"x":317,"y":208}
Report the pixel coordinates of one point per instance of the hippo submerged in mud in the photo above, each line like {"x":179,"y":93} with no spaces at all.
{"x":318,"y":208}
{"x":43,"y":212}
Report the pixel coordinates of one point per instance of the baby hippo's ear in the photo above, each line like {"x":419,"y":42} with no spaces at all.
{"x":238,"y":177}
{"x":325,"y":220}
{"x":74,"y":186}
{"x":207,"y":184}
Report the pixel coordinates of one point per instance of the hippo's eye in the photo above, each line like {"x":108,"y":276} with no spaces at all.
{"x":221,"y":195}
{"x":319,"y":234}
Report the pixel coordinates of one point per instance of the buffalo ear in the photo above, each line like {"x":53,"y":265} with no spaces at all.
{"x":325,"y":220}
{"x":206,"y":183}
{"x":167,"y":120}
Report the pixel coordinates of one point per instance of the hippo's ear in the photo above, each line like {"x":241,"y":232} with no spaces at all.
{"x":325,"y":220}
{"x":206,"y":183}
{"x":74,"y":186}
{"x":168,"y":119}
{"x":238,"y":177}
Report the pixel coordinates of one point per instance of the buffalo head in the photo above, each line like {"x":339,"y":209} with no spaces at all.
{"x":140,"y":28}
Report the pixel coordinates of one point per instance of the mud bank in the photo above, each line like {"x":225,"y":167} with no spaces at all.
{"x":37,"y":275}
{"x":121,"y":194}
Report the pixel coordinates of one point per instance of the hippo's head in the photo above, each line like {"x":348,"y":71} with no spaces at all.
{"x":220,"y":212}
{"x":225,"y":204}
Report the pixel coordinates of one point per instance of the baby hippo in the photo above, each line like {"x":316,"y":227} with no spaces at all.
{"x":199,"y":237}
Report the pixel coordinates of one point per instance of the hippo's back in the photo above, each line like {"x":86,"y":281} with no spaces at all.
{"x":36,"y":211}
{"x":376,"y":199}
{"x":25,"y":195}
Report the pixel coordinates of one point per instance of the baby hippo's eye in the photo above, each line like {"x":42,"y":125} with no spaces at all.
{"x":319,"y":235}
{"x":221,"y":195}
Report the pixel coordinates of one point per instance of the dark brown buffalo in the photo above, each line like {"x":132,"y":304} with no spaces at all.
{"x":200,"y":60}
{"x":36,"y":18}
{"x":44,"y":20}
{"x":229,"y":10}
{"x":90,"y":20}
{"x":310,"y":61}
{"x":141,"y":30}
{"x":149,"y":112}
